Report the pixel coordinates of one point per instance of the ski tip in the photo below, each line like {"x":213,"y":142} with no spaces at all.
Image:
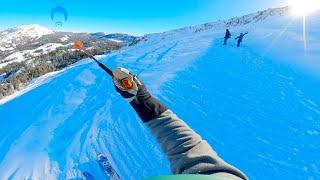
{"x":88,"y":176}
{"x":102,"y":157}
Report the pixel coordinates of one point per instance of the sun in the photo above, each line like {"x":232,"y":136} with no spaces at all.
{"x":304,"y":7}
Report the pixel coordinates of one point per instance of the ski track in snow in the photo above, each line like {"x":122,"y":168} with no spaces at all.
{"x":256,"y":105}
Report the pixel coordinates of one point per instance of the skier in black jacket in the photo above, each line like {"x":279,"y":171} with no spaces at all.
{"x":187,"y":152}
{"x":226,"y":37}
{"x":240,"y":38}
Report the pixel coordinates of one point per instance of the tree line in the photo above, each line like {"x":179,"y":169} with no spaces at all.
{"x":17,"y":75}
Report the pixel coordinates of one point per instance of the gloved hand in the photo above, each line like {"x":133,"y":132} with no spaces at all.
{"x":129,"y":86}
{"x":133,"y":90}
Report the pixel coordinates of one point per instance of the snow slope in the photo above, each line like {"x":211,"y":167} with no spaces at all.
{"x":257,"y":105}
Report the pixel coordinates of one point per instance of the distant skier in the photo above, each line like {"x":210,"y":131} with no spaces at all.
{"x":240,"y":38}
{"x":187,"y":152}
{"x":227,"y":36}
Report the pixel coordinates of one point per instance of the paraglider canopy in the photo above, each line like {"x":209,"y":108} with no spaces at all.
{"x":59,"y":11}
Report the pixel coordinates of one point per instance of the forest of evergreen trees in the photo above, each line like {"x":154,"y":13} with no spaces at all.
{"x":18,"y":75}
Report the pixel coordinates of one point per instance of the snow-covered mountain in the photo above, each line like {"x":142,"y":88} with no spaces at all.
{"x":34,"y":39}
{"x":257,"y":105}
{"x":10,"y":38}
{"x":30,"y":51}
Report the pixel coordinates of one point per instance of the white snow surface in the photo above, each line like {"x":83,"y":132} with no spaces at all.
{"x":115,"y":40}
{"x":6,"y":48}
{"x":257,"y":105}
{"x":64,"y":38}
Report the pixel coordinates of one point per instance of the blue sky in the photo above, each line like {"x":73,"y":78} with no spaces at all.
{"x":128,"y":16}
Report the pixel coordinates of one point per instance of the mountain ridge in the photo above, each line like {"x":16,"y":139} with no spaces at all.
{"x":235,"y":21}
{"x":28,"y":37}
{"x":30,"y":51}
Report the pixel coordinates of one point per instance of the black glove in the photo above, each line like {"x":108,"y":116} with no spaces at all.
{"x":147,"y":107}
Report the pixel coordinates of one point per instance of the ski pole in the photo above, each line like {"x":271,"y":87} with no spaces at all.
{"x":79,"y":45}
{"x":126,"y":82}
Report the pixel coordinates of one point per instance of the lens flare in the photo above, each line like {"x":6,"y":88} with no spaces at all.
{"x":304,"y":7}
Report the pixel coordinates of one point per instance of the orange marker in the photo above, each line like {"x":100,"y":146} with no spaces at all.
{"x":78,"y":45}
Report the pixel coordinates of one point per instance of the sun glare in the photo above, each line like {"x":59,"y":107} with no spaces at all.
{"x":304,"y":7}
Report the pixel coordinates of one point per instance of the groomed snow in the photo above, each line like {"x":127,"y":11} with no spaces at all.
{"x":41,"y":80}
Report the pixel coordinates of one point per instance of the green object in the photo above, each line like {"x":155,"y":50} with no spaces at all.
{"x":188,"y":177}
